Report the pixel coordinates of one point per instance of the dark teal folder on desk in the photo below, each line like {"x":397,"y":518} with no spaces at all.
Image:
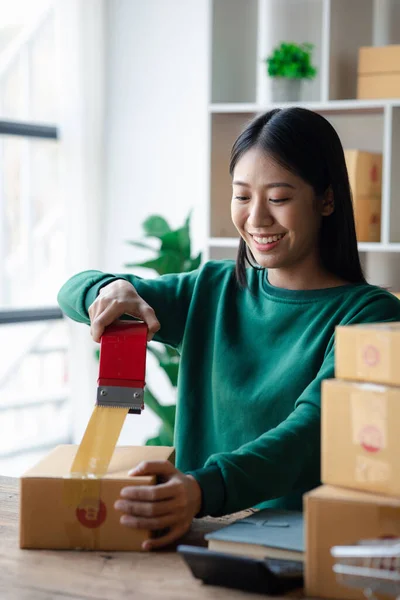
{"x":266,"y":533}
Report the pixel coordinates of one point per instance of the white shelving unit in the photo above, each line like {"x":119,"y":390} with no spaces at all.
{"x":242,"y":35}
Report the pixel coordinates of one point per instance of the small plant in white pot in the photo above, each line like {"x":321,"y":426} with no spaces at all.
{"x":288,"y":65}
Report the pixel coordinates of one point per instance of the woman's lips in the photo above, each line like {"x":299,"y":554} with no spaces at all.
{"x":266,"y":246}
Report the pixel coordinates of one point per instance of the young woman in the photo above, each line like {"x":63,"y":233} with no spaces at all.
{"x":255,"y":342}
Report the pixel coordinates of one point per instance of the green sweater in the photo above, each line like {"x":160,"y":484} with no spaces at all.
{"x":252,"y":361}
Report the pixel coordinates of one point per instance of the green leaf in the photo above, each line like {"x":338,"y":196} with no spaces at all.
{"x":172,"y":370}
{"x":165,"y":435}
{"x":291,"y":60}
{"x":159,"y":354}
{"x":164,"y":438}
{"x":168,"y":413}
{"x":142,"y":245}
{"x":165,"y":412}
{"x":166,"y":262}
{"x":168,"y":360}
{"x":156,"y":226}
{"x":177,"y":241}
{"x":172,"y":353}
{"x":192,"y":263}
{"x":172,"y":256}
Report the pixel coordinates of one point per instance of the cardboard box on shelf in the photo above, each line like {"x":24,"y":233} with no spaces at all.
{"x":365,"y":172}
{"x":60,"y":512}
{"x":360,"y":439}
{"x":336,"y":516}
{"x":365,"y":175}
{"x":378,"y":72}
{"x":368,"y":352}
{"x":367,"y":213}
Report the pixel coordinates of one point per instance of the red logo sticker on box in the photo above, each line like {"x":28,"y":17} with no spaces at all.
{"x":91,"y":513}
{"x":371,"y":438}
{"x":375,"y":219}
{"x":371,"y":356}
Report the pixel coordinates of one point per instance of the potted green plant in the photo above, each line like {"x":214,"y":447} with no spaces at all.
{"x":172,"y":255}
{"x":288,"y":65}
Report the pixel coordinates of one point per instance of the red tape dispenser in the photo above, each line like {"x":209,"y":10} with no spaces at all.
{"x":122,"y":366}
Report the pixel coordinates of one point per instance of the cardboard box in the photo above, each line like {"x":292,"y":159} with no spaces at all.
{"x":365,"y":172}
{"x":365,"y":175}
{"x":360,"y":436}
{"x":336,"y":516}
{"x":378,"y":72}
{"x":368,"y":352}
{"x":57,"y":512}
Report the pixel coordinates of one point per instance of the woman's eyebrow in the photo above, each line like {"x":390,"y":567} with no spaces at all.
{"x":242,"y":183}
{"x":268,"y":185}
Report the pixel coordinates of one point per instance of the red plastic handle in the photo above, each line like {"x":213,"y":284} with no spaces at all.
{"x":123,"y":355}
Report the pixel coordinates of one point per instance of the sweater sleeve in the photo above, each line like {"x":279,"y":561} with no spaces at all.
{"x":168,"y":295}
{"x":270,"y":466}
{"x":286,"y":458}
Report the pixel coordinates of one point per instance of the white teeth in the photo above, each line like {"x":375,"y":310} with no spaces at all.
{"x":268,"y":240}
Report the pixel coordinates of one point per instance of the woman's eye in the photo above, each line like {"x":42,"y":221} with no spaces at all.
{"x":278,"y":200}
{"x":242,"y":198}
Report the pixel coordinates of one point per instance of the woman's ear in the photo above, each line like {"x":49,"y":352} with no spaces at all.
{"x":328,"y":203}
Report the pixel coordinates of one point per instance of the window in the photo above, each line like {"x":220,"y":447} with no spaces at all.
{"x":34,"y":399}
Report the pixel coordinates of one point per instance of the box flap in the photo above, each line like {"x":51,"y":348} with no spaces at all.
{"x":333,"y":493}
{"x":58,"y":462}
{"x":379,"y":59}
{"x":393,"y":326}
{"x":363,"y":386}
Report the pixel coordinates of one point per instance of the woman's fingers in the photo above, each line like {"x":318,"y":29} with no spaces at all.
{"x":150,"y":523}
{"x":116,"y":299}
{"x":153,"y":493}
{"x":171,"y":504}
{"x":154,"y":467}
{"x":148,"y":509}
{"x":174,"y":534}
{"x":107,"y":315}
{"x":149,"y":317}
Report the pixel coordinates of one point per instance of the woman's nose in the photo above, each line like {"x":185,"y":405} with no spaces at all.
{"x":260,"y":215}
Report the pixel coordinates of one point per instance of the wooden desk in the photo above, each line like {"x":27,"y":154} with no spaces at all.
{"x":71,"y":575}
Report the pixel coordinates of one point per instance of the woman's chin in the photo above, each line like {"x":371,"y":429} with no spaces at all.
{"x":266,"y":261}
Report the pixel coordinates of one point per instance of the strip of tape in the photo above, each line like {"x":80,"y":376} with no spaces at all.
{"x":99,"y":440}
{"x":369,"y":419}
{"x":82,"y":497}
{"x":373,"y":354}
{"x":82,"y":489}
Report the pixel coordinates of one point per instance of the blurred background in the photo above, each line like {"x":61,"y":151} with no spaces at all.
{"x":116,"y":123}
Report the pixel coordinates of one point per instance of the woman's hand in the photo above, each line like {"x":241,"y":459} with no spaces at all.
{"x":116,"y":299}
{"x":172,"y":503}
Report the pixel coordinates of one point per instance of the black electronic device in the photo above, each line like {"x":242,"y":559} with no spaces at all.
{"x":269,"y":576}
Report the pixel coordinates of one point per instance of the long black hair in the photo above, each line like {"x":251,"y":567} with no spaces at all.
{"x":306,"y":144}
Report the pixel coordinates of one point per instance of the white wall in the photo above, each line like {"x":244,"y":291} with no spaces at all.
{"x":156,"y":133}
{"x":156,"y":117}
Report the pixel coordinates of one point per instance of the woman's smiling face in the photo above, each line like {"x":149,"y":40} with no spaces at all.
{"x":275,"y":212}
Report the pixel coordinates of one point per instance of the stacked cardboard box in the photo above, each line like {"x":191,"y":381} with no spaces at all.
{"x":360,"y":498}
{"x":365,"y":175}
{"x":378,"y":72}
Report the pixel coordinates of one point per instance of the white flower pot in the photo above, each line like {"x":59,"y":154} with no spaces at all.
{"x":286,"y":90}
